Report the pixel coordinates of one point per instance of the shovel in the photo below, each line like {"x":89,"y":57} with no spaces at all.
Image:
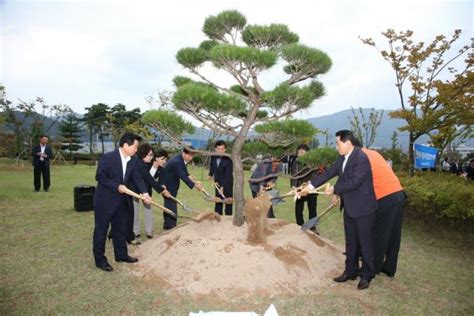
{"x":184,"y":206}
{"x":315,"y":220}
{"x":138,"y":196}
{"x":199,"y":218}
{"x":277,"y":199}
{"x":219,"y":190}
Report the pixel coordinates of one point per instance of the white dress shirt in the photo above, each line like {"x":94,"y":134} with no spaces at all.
{"x":43,"y":148}
{"x":153,"y":171}
{"x":125,"y":159}
{"x":346,"y":157}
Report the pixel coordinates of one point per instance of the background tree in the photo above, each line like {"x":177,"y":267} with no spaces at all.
{"x":395,"y":153}
{"x":120,"y":121}
{"x":70,"y":133}
{"x":244,"y":52}
{"x":424,"y":110}
{"x":458,"y":95}
{"x":96,"y":119}
{"x":323,"y":156}
{"x":28,"y":119}
{"x":365,"y":129}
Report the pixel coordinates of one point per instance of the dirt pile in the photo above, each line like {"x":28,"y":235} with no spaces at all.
{"x":215,"y":257}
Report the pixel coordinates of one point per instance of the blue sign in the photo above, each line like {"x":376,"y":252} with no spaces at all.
{"x":425,"y":157}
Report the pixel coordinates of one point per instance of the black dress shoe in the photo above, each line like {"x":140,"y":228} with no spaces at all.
{"x":134,"y":242}
{"x":128,"y":259}
{"x":149,"y":236}
{"x":137,"y":235}
{"x":106,"y":267}
{"x":363,"y":284}
{"x":344,"y":277}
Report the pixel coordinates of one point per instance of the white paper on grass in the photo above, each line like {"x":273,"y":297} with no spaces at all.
{"x":271,"y":311}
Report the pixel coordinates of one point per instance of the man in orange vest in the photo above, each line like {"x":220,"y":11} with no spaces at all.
{"x":389,"y":215}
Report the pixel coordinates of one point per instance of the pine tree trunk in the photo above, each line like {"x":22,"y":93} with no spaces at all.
{"x":239,"y":199}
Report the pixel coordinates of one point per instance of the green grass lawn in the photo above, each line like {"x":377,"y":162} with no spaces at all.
{"x":47,"y":265}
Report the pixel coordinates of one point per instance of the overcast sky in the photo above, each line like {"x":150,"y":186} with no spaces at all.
{"x":84,"y":52}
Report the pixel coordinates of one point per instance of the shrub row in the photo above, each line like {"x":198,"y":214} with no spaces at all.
{"x":439,"y":196}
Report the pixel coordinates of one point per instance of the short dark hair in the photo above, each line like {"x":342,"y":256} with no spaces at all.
{"x":346,"y":135}
{"x":43,"y":135}
{"x":143,"y":150}
{"x":161,"y":153}
{"x":189,"y":150}
{"x":220,"y":142}
{"x":302,"y":146}
{"x":129,"y":139}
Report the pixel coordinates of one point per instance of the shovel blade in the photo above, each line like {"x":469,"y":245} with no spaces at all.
{"x":187,"y":208}
{"x":310,"y":224}
{"x":276,"y":201}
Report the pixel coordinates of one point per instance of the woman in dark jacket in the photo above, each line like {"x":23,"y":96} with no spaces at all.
{"x":150,"y":173}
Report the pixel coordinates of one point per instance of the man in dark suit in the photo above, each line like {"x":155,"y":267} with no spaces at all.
{"x":265,"y":174}
{"x":116,"y":171}
{"x":175,"y":171}
{"x":41,"y":154}
{"x":356,"y":189}
{"x":456,"y":167}
{"x":221,"y":172}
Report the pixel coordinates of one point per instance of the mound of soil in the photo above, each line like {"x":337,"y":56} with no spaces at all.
{"x":217,"y":257}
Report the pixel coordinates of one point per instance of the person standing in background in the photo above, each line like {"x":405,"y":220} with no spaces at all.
{"x":41,"y":154}
{"x":445,"y":165}
{"x":456,"y":167}
{"x":221,"y":172}
{"x":297,"y":169}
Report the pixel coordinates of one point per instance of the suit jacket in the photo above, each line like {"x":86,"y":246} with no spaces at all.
{"x":37,"y":149}
{"x":297,"y":169}
{"x":174,"y":171}
{"x":223,"y":174}
{"x":354,"y":185}
{"x":263,"y":169}
{"x":150,"y":182}
{"x":109,"y":176}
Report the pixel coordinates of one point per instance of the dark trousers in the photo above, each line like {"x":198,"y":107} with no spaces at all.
{"x":130,"y":235}
{"x":118,"y":220}
{"x":312,"y":201}
{"x":388,"y":232}
{"x":219,"y":206}
{"x":270,"y":213}
{"x":169,"y":222}
{"x":359,"y":233}
{"x":41,"y":168}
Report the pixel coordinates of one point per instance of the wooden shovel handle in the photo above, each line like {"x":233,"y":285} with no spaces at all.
{"x":138,"y":196}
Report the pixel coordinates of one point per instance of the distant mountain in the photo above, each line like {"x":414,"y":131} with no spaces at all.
{"x":332,"y":123}
{"x":341,"y":120}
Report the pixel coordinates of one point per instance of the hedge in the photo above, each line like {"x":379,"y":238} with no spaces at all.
{"x":439,"y":196}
